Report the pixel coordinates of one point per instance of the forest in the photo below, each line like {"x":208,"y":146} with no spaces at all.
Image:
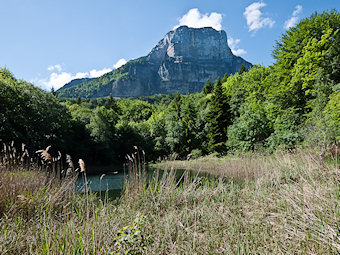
{"x":295,"y":101}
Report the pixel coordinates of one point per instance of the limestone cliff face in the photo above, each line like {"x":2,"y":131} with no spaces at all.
{"x":182,"y":61}
{"x":192,"y":44}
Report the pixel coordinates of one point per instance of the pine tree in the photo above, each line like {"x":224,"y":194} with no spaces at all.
{"x":225,"y":78}
{"x":175,"y":105}
{"x":79,"y":101}
{"x":218,"y":118}
{"x":242,"y":69}
{"x":53,"y":91}
{"x":111,"y":103}
{"x":208,"y":87}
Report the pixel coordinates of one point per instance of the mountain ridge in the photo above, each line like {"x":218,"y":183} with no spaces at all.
{"x":182,"y":61}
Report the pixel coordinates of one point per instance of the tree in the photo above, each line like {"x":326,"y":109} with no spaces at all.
{"x":30,"y":115}
{"x":218,"y":118}
{"x":225,"y":78}
{"x":301,"y":50}
{"x":242,"y":69}
{"x":135,"y":110}
{"x":175,"y":105}
{"x":289,"y":48}
{"x":111,"y":103}
{"x":102,"y":124}
{"x":53,"y":91}
{"x":79,"y":101}
{"x":249,"y":130}
{"x":332,"y":114}
{"x":208,"y":87}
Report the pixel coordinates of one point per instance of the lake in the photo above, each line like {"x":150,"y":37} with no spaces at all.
{"x":112,"y":184}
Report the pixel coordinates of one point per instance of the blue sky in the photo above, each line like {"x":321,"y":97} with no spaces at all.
{"x":51,"y":42}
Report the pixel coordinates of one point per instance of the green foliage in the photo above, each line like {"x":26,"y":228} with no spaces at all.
{"x":208,"y":88}
{"x":290,"y":47}
{"x":219,"y":119}
{"x":132,"y":239}
{"x":30,"y":115}
{"x":196,"y":153}
{"x":242,"y":69}
{"x":225,"y":78}
{"x":332,"y":114}
{"x":135,"y":110}
{"x":249,"y":130}
{"x":286,"y":130}
{"x":111,"y":103}
{"x":102,"y":124}
{"x":92,"y":87}
{"x":174,"y":132}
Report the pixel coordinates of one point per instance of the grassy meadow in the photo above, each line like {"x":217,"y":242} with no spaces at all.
{"x":277,"y":204}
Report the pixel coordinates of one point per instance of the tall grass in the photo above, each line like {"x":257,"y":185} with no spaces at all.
{"x":285,"y":204}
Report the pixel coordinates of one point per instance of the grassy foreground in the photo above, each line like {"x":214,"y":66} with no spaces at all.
{"x":285,"y":204}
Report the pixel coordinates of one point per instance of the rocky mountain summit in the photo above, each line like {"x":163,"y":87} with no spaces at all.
{"x":182,"y":61}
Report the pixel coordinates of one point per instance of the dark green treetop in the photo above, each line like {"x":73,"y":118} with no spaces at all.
{"x":208,"y":87}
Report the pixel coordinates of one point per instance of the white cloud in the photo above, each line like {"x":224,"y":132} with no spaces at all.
{"x":298,"y":10}
{"x":96,"y":73}
{"x":291,"y":22}
{"x":255,"y":20}
{"x":233,"y":44}
{"x":55,"y":67}
{"x":57,"y":78}
{"x":294,"y":18}
{"x":80,"y":75}
{"x":193,"y":18}
{"x":120,"y":63}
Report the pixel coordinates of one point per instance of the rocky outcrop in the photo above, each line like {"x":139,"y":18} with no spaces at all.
{"x":182,"y":61}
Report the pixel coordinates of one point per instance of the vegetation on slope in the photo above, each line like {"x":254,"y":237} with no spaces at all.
{"x":92,"y":87}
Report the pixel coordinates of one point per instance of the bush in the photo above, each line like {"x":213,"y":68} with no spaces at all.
{"x":196,"y":153}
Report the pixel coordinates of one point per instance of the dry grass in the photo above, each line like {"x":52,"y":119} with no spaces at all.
{"x":287,"y":204}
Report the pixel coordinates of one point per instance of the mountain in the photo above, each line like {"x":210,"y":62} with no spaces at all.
{"x":182,"y":61}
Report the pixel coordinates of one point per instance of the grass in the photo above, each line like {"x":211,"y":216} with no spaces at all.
{"x":286,"y":204}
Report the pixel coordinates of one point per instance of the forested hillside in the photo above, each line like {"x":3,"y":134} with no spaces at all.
{"x":295,"y":101}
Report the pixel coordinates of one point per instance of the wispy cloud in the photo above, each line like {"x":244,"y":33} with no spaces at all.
{"x":57,"y":78}
{"x":55,"y":67}
{"x":291,"y":22}
{"x":255,"y":19}
{"x":233,"y":44}
{"x":193,"y":18}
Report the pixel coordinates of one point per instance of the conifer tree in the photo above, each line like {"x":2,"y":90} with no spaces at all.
{"x":208,"y":87}
{"x":175,"y":105}
{"x":53,"y":91}
{"x":225,"y":78}
{"x":242,"y":69}
{"x":112,"y":104}
{"x":219,"y":119}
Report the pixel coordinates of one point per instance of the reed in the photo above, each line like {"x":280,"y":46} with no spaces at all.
{"x":278,"y":204}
